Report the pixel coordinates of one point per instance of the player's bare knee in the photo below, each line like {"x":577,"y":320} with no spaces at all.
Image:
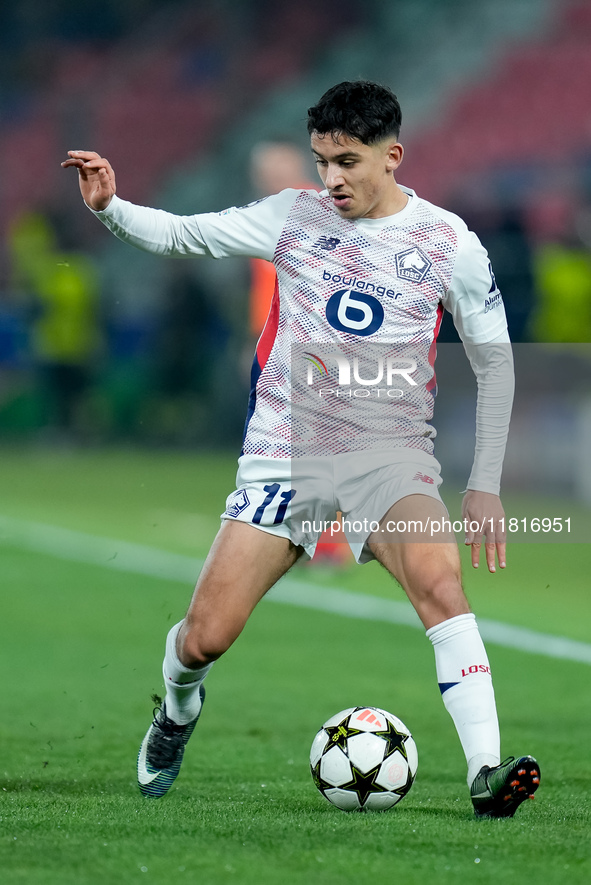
{"x":204,"y":646}
{"x":194,"y":654}
{"x":441,"y":598}
{"x":447,"y":598}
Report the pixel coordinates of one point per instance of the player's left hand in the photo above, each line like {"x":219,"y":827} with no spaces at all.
{"x":95,"y":176}
{"x":484,"y":519}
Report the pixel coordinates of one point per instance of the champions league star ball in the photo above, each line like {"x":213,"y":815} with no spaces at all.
{"x":364,"y":759}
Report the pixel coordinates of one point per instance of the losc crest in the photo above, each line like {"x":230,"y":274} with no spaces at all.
{"x":412,"y":265}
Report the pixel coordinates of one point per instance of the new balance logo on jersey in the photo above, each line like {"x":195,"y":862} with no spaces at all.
{"x":412,"y":265}
{"x":423,"y":477}
{"x":327,"y":243}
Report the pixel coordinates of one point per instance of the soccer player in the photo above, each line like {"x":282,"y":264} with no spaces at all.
{"x":365,"y":269}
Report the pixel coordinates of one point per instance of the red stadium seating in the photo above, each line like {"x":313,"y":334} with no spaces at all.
{"x":154,"y":101}
{"x":534,"y":108}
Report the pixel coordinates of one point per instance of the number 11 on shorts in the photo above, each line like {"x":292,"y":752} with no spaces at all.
{"x":271,"y":491}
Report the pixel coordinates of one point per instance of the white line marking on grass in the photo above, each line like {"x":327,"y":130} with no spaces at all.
{"x":139,"y":559}
{"x":122,"y":556}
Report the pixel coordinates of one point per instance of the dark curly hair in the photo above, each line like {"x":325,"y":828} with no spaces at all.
{"x":360,"y":109}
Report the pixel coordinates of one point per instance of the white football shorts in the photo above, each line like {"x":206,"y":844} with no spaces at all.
{"x":299,"y":498}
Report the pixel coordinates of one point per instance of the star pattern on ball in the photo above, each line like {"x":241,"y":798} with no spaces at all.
{"x":316,"y":776}
{"x":364,"y":784}
{"x":395,"y":739}
{"x":339,"y":734}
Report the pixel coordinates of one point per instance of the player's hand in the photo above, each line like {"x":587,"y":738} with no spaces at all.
{"x":484,"y":519}
{"x":96,"y":178}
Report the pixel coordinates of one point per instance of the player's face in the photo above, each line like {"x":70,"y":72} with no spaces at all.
{"x":359,"y":177}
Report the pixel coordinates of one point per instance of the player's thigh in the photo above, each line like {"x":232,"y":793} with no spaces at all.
{"x":243,"y":563}
{"x":417,"y":548}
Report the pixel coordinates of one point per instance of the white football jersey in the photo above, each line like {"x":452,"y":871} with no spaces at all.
{"x":346,"y":359}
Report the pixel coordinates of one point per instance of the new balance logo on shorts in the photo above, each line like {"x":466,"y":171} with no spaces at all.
{"x":423,"y":477}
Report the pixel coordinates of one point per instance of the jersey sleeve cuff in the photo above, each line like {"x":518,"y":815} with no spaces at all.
{"x":475,"y":486}
{"x":108,"y":211}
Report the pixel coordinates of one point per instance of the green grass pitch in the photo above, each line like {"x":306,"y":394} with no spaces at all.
{"x":81,"y":650}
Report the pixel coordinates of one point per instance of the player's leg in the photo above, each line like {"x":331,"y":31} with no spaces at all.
{"x":425,"y":562}
{"x":429,"y":571}
{"x":242,"y":565}
{"x":430,"y":574}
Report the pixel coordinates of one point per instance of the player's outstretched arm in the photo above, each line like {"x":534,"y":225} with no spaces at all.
{"x":251,"y":231}
{"x":96,"y":178}
{"x":484,"y":520}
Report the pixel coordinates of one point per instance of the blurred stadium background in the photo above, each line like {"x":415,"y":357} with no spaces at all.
{"x":123,"y":389}
{"x":102,"y":345}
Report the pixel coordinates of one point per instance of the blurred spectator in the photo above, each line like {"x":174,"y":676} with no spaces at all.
{"x":61,"y":295}
{"x":562,"y":269}
{"x":511,"y":258}
{"x":504,"y":234}
{"x":188,"y":338}
{"x":274,"y":166}
{"x":563,"y":276}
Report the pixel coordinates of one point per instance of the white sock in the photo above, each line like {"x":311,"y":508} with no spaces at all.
{"x":465,"y":682}
{"x":182,"y":683}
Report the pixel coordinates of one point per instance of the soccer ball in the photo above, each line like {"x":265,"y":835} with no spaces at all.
{"x":364,"y":759}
